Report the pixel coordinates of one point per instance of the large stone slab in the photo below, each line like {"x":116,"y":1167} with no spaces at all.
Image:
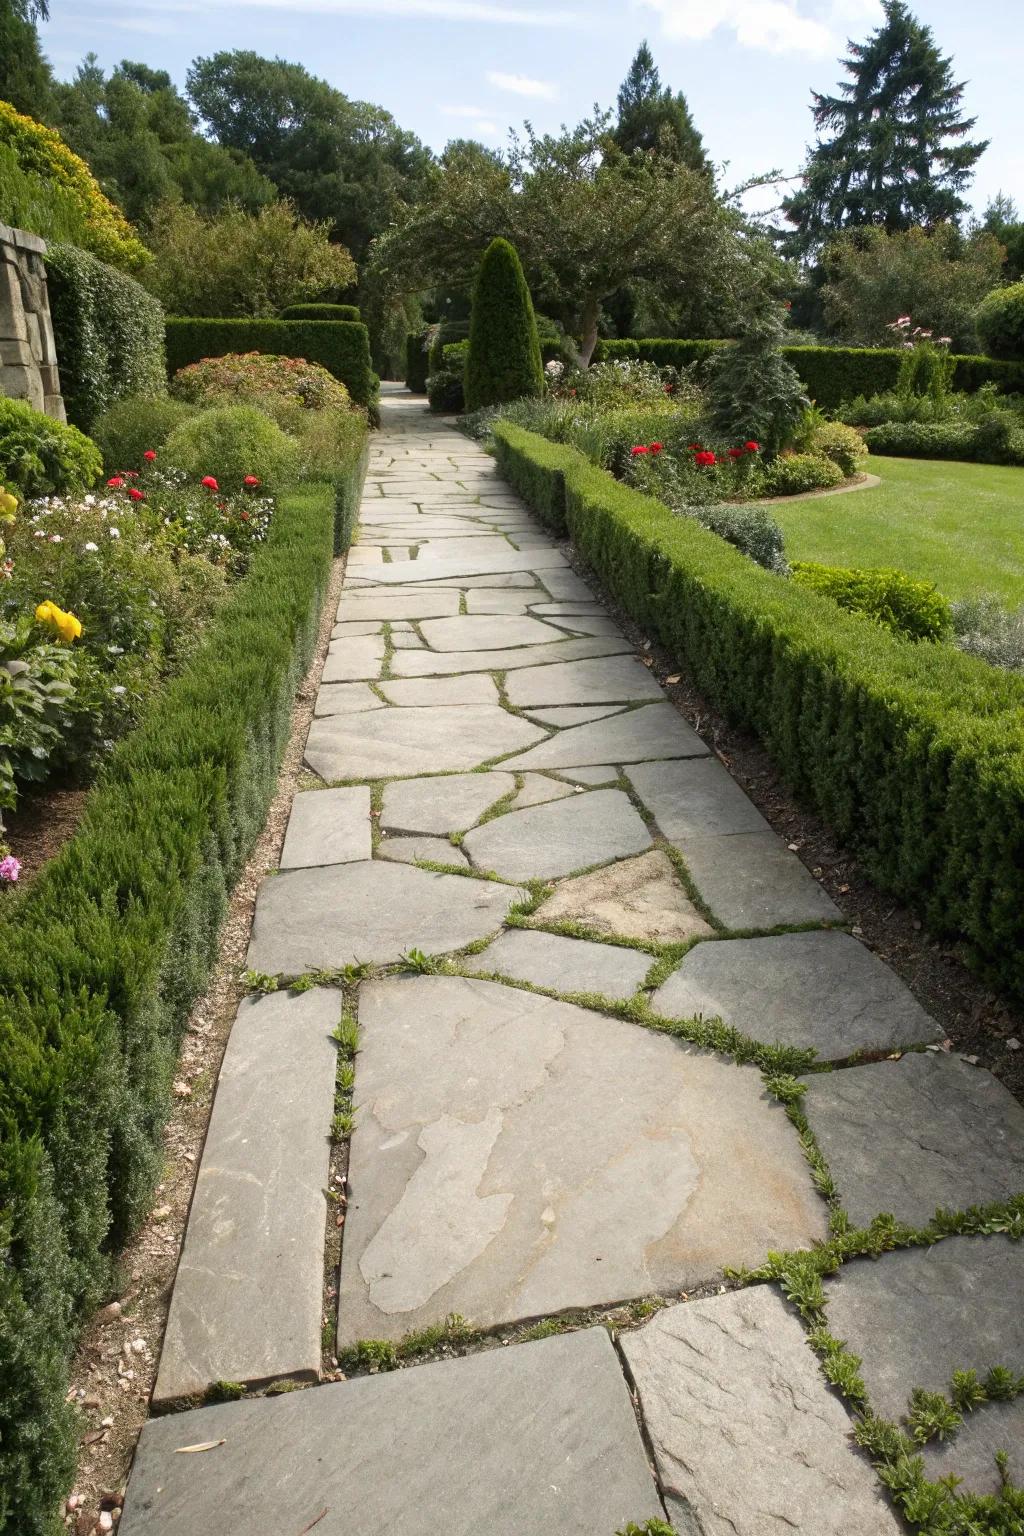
{"x":553,"y":839}
{"x":345,"y":914}
{"x":695,"y":799}
{"x":537,"y":788}
{"x":396,"y":605}
{"x":448,"y":803}
{"x":638,"y":899}
{"x":412,"y":850}
{"x":350,"y":661}
{"x":563,"y":965}
{"x":751,"y":880}
{"x":617,"y":679}
{"x":971,"y":1454}
{"x":652,"y":731}
{"x":747,"y":1437}
{"x":474,"y":688}
{"x":442,"y":570}
{"x":510,"y":601}
{"x":487,"y":632}
{"x":573,"y":714}
{"x":247,"y":1299}
{"x":394,"y":742}
{"x":914,"y":1136}
{"x":536,"y":1437}
{"x":494,"y":1174}
{"x":345,"y":699}
{"x":917,"y":1315}
{"x":328,"y":826}
{"x":824,"y":991}
{"x":442,"y":663}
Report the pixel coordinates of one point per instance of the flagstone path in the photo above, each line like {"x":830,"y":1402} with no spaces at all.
{"x":543,"y":887}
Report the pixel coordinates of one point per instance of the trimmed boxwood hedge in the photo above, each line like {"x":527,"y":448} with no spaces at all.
{"x":102,"y":958}
{"x":109,"y":334}
{"x":830,"y":374}
{"x":996,"y":441}
{"x":914,"y":753}
{"x":417,"y":362}
{"x":340,"y":346}
{"x":321,"y":312}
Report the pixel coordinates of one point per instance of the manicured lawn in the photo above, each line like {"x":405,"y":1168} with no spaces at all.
{"x":959,"y":525}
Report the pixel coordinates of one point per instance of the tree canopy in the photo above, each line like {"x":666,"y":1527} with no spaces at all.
{"x":653,"y":118}
{"x":893,"y":148}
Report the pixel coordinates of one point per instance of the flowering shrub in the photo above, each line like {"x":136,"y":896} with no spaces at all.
{"x":229,"y":442}
{"x":36,"y":686}
{"x":258,"y":377}
{"x":625,"y":382}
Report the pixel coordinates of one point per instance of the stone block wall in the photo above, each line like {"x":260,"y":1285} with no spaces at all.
{"x":28,"y":358}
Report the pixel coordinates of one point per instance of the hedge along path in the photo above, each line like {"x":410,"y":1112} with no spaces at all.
{"x":498,"y":900}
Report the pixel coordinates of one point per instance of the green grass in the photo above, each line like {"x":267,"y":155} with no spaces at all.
{"x":955,"y":524}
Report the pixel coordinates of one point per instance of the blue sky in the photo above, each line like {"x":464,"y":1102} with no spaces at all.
{"x":448,"y":68}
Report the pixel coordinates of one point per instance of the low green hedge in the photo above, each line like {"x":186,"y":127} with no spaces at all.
{"x":996,"y":441}
{"x":340,"y":346}
{"x":829,"y":374}
{"x":108,"y":331}
{"x":417,"y":362}
{"x":914,"y":753}
{"x":321,"y":312}
{"x":102,"y":958}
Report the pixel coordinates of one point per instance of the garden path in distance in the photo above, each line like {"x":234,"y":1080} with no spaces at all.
{"x":590,"y":983}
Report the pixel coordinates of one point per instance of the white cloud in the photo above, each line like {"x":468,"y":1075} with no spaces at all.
{"x":777,"y":26}
{"x":522,"y":85}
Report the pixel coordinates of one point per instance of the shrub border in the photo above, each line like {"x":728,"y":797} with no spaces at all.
{"x":913,"y":753}
{"x":340,"y":346}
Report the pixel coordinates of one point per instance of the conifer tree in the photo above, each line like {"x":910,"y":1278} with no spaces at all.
{"x":504,"y":361}
{"x":651,"y":117}
{"x":893,"y":149}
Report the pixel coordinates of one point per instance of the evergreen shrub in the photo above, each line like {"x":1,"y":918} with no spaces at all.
{"x":340,"y":346}
{"x":321,"y":312}
{"x":999,"y":319}
{"x":503,"y":362}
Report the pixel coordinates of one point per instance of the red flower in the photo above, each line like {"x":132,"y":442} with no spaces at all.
{"x":244,"y":516}
{"x":694,"y":447}
{"x":735,"y":453}
{"x":149,"y":455}
{"x":115,"y":482}
{"x":135,"y":493}
{"x":251,"y":480}
{"x":705,"y":458}
{"x":638,"y":450}
{"x":667,"y":388}
{"x":752,"y":447}
{"x":210,"y":483}
{"x":654,"y":447}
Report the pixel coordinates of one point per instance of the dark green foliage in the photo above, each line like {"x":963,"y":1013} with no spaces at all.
{"x":342,"y":347}
{"x":447,"y":331}
{"x":503,"y":362}
{"x":754,"y":391}
{"x":537,"y":475}
{"x":131,"y":426}
{"x":997,"y":439}
{"x":830,"y":374}
{"x":652,"y":117}
{"x":444,"y":392}
{"x":321,"y":312}
{"x":999,"y":319}
{"x":26,"y":80}
{"x":916,"y":170}
{"x":39,"y":455}
{"x":892,"y":598}
{"x":913,"y":753}
{"x":416,"y":362}
{"x":454,"y":355}
{"x":109,"y":333}
{"x":102,"y":958}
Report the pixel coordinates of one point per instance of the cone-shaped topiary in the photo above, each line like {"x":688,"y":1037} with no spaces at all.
{"x":504,"y":361}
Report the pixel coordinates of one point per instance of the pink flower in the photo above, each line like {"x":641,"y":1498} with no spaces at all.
{"x":10,"y":869}
{"x":210,"y":483}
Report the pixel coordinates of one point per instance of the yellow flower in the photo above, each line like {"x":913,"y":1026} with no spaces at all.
{"x":66,"y":624}
{"x":8,"y":506}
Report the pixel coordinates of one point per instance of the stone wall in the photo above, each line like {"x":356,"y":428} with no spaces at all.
{"x":28,"y":359}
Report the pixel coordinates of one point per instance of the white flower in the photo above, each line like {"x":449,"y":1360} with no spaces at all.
{"x":90,"y":547}
{"x":37,"y":533}
{"x":89,"y":501}
{"x":118,"y":689}
{"x":55,"y":538}
{"x":115,"y":533}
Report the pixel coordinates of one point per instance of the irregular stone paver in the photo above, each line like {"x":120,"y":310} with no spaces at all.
{"x":498,"y":602}
{"x":355,"y":628}
{"x":638,"y":899}
{"x":537,"y":789}
{"x":442,"y":570}
{"x":751,"y":880}
{"x":824,"y":991}
{"x":564,"y":965}
{"x":916,"y":1135}
{"x":566,"y":584}
{"x":652,"y":731}
{"x":971,"y":1453}
{"x":397,"y":605}
{"x":494,"y":1174}
{"x":474,"y":688}
{"x":345,"y":699}
{"x":392,"y":742}
{"x":376,"y":912}
{"x":248,"y":1292}
{"x":328,"y":826}
{"x":407,"y":850}
{"x":695,"y":799}
{"x":406,"y":642}
{"x":575,"y":715}
{"x":443,"y":663}
{"x":449,"y":803}
{"x":487,"y":632}
{"x":616,"y":679}
{"x":350,"y":661}
{"x":917,"y":1315}
{"x":599,"y":774}
{"x":748,"y":1439}
{"x":553,"y":839}
{"x":537,"y":1437}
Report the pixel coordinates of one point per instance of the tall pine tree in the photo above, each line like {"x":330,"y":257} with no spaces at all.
{"x":893,"y":149}
{"x":25,"y":78}
{"x":651,"y":117}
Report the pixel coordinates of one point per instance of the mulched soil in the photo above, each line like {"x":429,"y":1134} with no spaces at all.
{"x":43,"y":822}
